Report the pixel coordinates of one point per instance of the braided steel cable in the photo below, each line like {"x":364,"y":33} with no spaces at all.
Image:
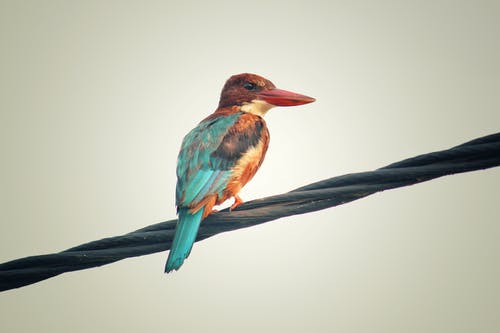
{"x":481,"y":153}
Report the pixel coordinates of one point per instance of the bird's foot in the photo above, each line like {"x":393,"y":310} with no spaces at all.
{"x":237,"y":201}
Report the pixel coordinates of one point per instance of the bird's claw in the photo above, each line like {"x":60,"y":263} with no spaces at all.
{"x":237,"y":201}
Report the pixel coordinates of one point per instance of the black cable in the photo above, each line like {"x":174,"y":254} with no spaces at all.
{"x":481,"y":153}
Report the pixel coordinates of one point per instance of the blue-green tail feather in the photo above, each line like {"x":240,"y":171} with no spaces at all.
{"x":185,"y":235}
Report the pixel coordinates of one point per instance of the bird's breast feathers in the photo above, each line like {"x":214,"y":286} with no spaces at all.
{"x":251,"y":157}
{"x":218,"y":157}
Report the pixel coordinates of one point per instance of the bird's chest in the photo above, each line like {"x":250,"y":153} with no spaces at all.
{"x":249,"y":162}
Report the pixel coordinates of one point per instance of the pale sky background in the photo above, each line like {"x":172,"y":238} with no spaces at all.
{"x":96,"y":96}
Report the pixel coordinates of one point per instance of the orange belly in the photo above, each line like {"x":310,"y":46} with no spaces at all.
{"x":245,"y":169}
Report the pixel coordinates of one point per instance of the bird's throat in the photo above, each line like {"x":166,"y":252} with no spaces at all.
{"x":257,"y":107}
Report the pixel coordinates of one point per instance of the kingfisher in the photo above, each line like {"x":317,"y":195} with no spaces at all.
{"x":220,"y":155}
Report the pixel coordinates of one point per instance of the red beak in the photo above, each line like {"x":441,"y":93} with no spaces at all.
{"x":280,"y":97}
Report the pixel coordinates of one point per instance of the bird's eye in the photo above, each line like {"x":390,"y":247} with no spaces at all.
{"x":250,"y":86}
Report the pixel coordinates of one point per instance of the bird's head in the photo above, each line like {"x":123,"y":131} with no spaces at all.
{"x":254,"y":94}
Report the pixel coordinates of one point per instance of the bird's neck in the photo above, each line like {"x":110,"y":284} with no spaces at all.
{"x":223,"y":112}
{"x":255,"y":107}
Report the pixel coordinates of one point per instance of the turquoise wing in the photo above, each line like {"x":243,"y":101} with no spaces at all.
{"x":199,"y":172}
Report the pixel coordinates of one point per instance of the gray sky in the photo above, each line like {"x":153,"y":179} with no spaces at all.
{"x":96,"y":96}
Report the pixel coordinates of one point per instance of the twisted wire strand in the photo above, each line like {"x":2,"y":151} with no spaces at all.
{"x":481,"y":153}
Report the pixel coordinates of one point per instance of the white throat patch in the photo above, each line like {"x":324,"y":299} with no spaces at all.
{"x":257,"y":107}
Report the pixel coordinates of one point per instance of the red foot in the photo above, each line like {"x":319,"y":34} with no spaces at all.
{"x":237,"y":201}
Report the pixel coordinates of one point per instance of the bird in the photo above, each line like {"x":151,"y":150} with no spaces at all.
{"x":222,"y":153}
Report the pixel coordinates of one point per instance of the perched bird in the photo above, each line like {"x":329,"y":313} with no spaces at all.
{"x":220,"y":155}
